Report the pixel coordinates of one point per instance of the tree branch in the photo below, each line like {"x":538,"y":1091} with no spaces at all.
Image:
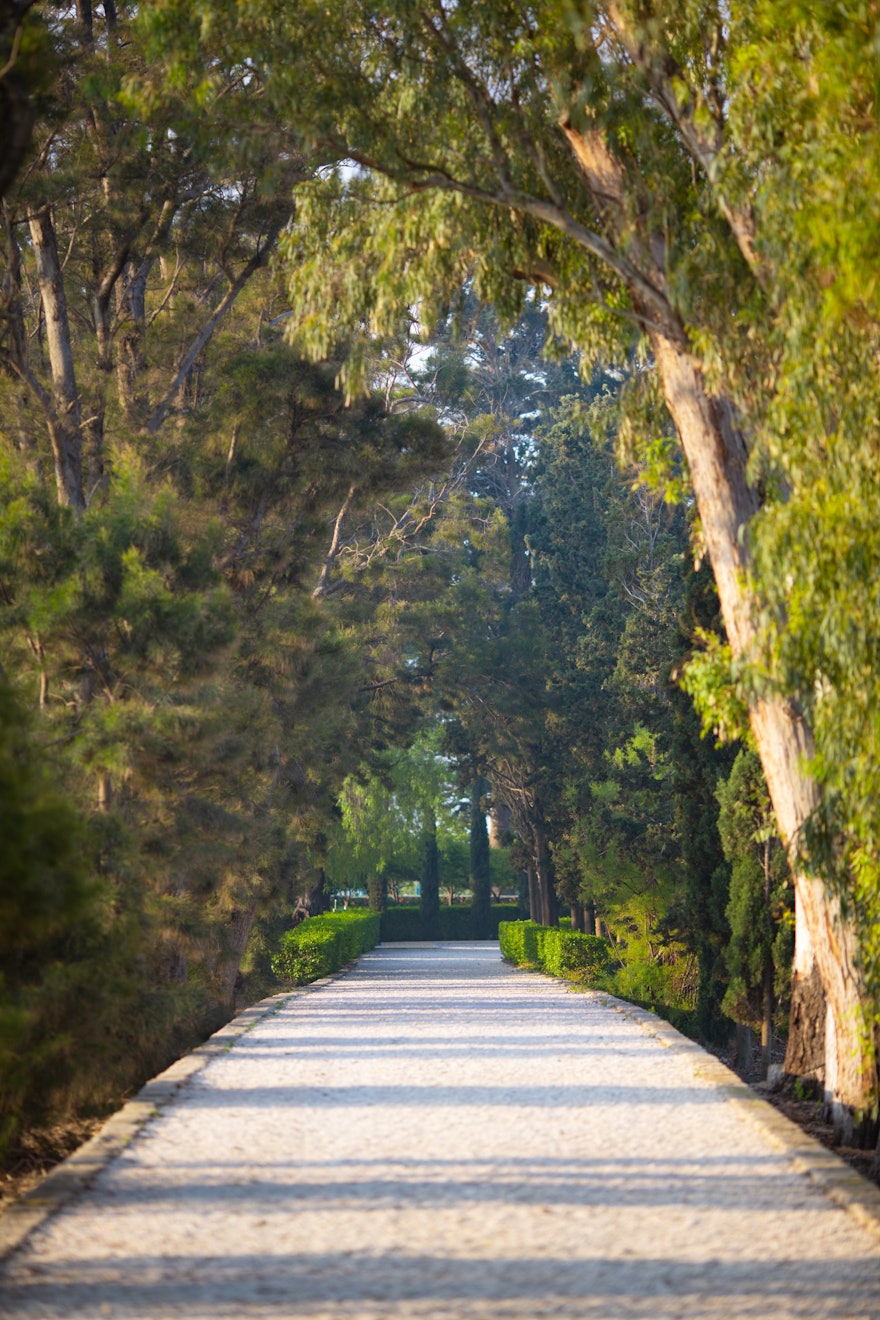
{"x":162,"y":409}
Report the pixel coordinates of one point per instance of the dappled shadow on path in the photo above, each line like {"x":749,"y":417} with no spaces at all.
{"x":293,"y":1283}
{"x":445,"y":1097}
{"x":287,"y":1188}
{"x":404,"y":1148}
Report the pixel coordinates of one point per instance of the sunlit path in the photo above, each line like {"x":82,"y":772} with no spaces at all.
{"x":435,"y":1135}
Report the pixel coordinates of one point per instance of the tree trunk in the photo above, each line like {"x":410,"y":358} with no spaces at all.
{"x":590,"y":917}
{"x":377,"y":888}
{"x":767,"y":1017}
{"x":65,"y":425}
{"x":429,"y":901}
{"x":717,"y":461}
{"x":499,"y":823}
{"x":546,"y":878}
{"x":237,"y":935}
{"x":805,"y":1054}
{"x":717,"y":458}
{"x":743,"y":1050}
{"x":578,"y":916}
{"x":481,"y":893}
{"x":767,"y":979}
{"x":315,"y":896}
{"x":520,"y":563}
{"x":534,"y":894}
{"x":131,"y":359}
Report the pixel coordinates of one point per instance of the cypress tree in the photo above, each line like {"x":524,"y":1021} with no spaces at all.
{"x":481,"y":887}
{"x":429,"y":904}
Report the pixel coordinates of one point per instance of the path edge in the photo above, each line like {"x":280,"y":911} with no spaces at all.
{"x":837,"y":1179}
{"x":65,"y":1181}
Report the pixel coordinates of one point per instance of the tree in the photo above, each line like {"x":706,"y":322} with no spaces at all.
{"x":24,"y":69}
{"x":480,"y":875}
{"x":588,"y":159}
{"x":399,"y":817}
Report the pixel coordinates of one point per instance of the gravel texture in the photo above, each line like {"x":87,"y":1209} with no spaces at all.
{"x":438,"y":1135}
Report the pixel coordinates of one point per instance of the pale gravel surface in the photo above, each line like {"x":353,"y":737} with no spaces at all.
{"x":437,"y":1135}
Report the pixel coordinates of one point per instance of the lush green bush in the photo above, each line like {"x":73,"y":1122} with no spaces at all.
{"x":453,"y":923}
{"x":577,"y":956}
{"x":321,"y":945}
{"x":518,"y":942}
{"x":559,"y":952}
{"x":401,"y":923}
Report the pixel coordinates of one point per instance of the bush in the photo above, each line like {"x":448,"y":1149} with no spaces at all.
{"x":453,"y":923}
{"x":578,"y":956}
{"x":321,"y":945}
{"x":519,"y":943}
{"x":559,"y":952}
{"x":401,"y":923}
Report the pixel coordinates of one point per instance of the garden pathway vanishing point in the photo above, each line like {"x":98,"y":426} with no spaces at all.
{"x":434,"y":1134}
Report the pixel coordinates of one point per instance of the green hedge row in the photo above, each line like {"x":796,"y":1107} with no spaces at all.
{"x":321,"y":945}
{"x":453,"y":923}
{"x":557,"y":951}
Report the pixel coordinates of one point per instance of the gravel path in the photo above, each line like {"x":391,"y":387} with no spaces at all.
{"x":437,"y":1135}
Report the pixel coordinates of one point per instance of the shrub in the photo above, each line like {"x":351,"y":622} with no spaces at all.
{"x":578,"y":956}
{"x":568,"y":953}
{"x":453,"y":923}
{"x":321,"y":945}
{"x":518,"y":942}
{"x":402,"y":923}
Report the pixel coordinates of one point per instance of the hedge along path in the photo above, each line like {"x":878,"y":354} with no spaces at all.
{"x":437,"y":1134}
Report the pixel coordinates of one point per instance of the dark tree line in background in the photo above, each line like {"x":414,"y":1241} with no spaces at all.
{"x":342,"y":507}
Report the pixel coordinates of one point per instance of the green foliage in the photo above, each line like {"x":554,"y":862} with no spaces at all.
{"x":321,"y":945}
{"x":405,"y":924}
{"x":579,"y":957}
{"x":567,"y":953}
{"x":232,"y":643}
{"x":761,"y":907}
{"x":453,"y":923}
{"x":517,"y":940}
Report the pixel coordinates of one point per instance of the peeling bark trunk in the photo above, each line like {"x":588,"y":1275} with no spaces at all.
{"x":716,"y":458}
{"x":131,"y":358}
{"x":65,"y":424}
{"x":717,"y":461}
{"x":805,"y":1055}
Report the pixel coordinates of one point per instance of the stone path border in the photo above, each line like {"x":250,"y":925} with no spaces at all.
{"x":846,"y":1187}
{"x":843,"y":1184}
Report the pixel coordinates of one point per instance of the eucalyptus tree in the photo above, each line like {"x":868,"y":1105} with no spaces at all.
{"x":602,"y":153}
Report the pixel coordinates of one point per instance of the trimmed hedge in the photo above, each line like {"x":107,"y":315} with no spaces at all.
{"x":454,"y":923}
{"x":559,"y":952}
{"x":321,"y":945}
{"x":518,"y":942}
